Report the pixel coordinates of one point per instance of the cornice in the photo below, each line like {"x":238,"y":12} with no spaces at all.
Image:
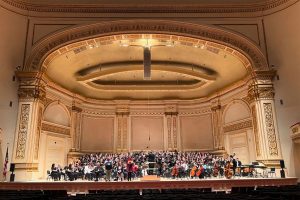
{"x":149,"y":8}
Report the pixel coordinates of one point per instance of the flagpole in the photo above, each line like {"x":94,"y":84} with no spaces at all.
{"x":5,"y":163}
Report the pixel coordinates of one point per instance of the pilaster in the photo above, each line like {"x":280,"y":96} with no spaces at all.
{"x":76,"y":115}
{"x":171,"y":119}
{"x":32,"y":98}
{"x":261,"y":95}
{"x":123,"y":120}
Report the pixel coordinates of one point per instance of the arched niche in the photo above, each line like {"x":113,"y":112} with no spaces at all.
{"x":58,"y":114}
{"x":236,"y":111}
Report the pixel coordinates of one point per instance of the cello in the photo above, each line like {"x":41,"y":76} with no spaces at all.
{"x":200,"y":172}
{"x":174,"y":172}
{"x":193,"y":171}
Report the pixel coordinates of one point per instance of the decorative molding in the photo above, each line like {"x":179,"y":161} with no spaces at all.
{"x":46,"y":126}
{"x":255,"y":130}
{"x":38,"y":133}
{"x":195,"y":112}
{"x":76,"y":109}
{"x":270,"y":129}
{"x":295,"y":135}
{"x":238,"y":126}
{"x":208,"y":8}
{"x":257,"y":92}
{"x":241,"y":46}
{"x":23,"y":131}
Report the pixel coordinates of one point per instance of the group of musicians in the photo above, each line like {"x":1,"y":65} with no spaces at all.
{"x":167,"y":164}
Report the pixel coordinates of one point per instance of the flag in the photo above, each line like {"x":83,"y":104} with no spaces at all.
{"x":5,"y":163}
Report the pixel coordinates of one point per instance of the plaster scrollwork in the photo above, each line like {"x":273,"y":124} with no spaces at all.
{"x":38,"y":133}
{"x":270,"y":129}
{"x":255,"y":130}
{"x":22,"y":131}
{"x":256,"y":92}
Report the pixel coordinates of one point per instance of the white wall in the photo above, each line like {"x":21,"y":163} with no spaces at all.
{"x":12,"y":44}
{"x":283,"y":41}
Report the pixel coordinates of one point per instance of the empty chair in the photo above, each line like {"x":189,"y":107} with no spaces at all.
{"x":271,"y":172}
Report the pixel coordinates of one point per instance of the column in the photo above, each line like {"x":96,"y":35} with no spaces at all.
{"x":32,"y":97}
{"x":261,"y":95}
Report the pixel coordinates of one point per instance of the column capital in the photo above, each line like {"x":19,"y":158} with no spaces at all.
{"x":32,"y":86}
{"x":260,"y":91}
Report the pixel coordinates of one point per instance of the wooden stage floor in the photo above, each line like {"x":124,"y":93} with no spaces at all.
{"x":85,"y":186}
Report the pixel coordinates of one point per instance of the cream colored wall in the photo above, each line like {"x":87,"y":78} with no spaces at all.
{"x":12,"y":44}
{"x":283,"y":41}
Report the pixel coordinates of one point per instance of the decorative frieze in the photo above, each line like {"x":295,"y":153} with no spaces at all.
{"x":22,"y":131}
{"x":270,"y":129}
{"x":238,"y":126}
{"x":55,"y":128}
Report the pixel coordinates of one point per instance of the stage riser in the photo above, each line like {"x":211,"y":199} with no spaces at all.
{"x":223,"y":184}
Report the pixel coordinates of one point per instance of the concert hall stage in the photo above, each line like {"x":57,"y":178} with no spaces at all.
{"x":85,"y":186}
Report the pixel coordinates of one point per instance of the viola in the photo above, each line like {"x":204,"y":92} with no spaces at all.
{"x":200,"y":171}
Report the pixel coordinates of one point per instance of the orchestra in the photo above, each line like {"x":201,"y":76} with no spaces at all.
{"x":173,"y":165}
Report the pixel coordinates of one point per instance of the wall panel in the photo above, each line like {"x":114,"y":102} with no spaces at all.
{"x":196,"y":132}
{"x":97,"y":134}
{"x":147,"y":133}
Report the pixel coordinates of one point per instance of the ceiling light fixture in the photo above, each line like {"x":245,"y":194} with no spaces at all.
{"x":146,"y":44}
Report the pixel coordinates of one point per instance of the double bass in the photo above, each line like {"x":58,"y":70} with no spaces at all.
{"x":228,"y":172}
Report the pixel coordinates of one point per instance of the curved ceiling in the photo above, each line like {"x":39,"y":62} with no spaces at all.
{"x":112,"y":67}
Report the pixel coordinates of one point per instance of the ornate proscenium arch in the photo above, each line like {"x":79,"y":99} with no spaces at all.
{"x":240,"y":44}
